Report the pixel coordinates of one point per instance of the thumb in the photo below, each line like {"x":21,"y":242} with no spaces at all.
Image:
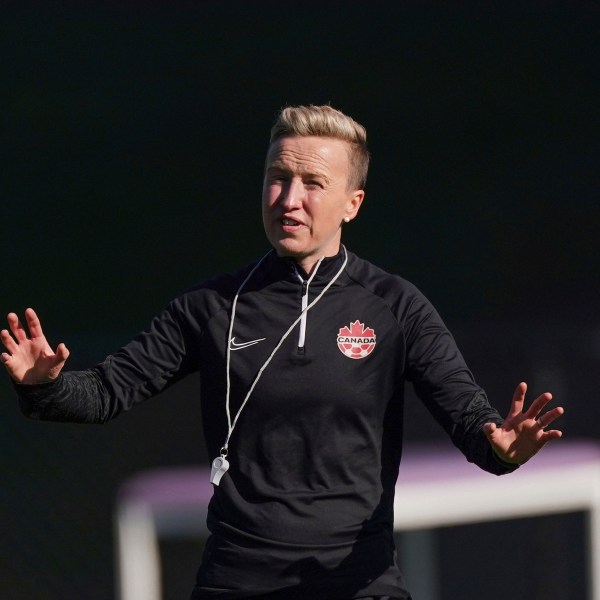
{"x":489,"y":429}
{"x":62,"y":353}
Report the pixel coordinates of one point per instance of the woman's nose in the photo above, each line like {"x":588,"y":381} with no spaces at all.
{"x":292,"y":194}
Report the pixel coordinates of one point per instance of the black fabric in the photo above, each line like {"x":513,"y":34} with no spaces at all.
{"x":307,"y":505}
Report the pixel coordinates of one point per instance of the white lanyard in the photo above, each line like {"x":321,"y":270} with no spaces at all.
{"x":221,"y":464}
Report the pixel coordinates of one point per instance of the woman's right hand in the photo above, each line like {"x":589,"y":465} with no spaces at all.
{"x":30,"y":359}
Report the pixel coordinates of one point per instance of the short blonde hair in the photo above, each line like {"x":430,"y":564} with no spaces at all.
{"x":325,"y":121}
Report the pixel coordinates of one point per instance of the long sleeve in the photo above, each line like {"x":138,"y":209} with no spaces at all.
{"x":153,"y":360}
{"x":74,"y":397}
{"x":447,"y":387}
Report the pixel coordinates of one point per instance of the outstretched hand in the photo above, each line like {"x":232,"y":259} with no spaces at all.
{"x":523,"y":433}
{"x":30,"y":359}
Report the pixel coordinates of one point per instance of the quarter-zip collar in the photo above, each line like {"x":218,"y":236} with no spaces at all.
{"x":326,"y":269}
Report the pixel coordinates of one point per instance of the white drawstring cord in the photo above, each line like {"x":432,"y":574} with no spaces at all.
{"x":231,"y":425}
{"x":233,"y":306}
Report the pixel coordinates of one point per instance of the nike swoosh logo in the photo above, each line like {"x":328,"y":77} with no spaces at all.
{"x":234,"y":346}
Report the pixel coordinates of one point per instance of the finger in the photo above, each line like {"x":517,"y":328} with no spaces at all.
{"x":16,"y":327}
{"x":553,"y":434}
{"x":33,"y":322}
{"x":547,"y":418}
{"x":516,"y":407}
{"x":5,"y":357}
{"x":538,"y":405}
{"x":8,"y":341}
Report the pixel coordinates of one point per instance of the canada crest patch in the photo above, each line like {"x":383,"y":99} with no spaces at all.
{"x":356,"y":340}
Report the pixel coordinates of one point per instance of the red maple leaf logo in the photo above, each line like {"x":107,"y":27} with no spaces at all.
{"x":356,"y":341}
{"x":357,"y":330}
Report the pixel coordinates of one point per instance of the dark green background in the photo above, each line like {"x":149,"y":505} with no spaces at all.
{"x":133,"y":137}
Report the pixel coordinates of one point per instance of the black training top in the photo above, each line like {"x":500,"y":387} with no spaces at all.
{"x":306,"y":508}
